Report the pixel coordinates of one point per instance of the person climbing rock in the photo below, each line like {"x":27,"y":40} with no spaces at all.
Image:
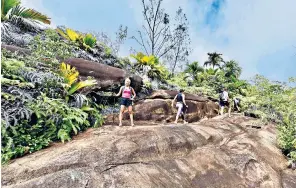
{"x":224,"y":101}
{"x":236,"y":103}
{"x":181,"y":105}
{"x":127,"y":95}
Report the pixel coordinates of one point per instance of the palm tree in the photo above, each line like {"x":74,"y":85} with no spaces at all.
{"x":214,"y":59}
{"x":194,"y":69}
{"x":13,"y":12}
{"x":232,"y":68}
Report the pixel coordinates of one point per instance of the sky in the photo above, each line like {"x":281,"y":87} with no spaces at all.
{"x":259,"y":34}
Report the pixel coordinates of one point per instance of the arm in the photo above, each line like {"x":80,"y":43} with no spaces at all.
{"x":183,"y":97}
{"x":174,"y":101}
{"x":120,"y":91}
{"x":134,"y":93}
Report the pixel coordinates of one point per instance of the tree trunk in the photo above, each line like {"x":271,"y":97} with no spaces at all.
{"x":176,"y":59}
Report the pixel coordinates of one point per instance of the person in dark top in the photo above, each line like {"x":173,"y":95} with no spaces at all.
{"x":181,"y":105}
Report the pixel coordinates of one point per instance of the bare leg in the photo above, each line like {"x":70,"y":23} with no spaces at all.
{"x":183,"y":117}
{"x":130,"y":109}
{"x":229,"y":111}
{"x":222,"y":109}
{"x":122,"y":107}
{"x":179,"y":112}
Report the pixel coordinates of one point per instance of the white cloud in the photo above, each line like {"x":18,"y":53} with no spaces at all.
{"x":257,"y":28}
{"x":253,"y":29}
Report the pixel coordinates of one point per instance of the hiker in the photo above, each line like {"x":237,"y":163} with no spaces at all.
{"x":224,"y":101}
{"x":236,"y":103}
{"x":127,"y":95}
{"x":181,"y":105}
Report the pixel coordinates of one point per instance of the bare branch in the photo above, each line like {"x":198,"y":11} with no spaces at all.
{"x":140,"y":43}
{"x":168,"y":49}
{"x":143,"y":42}
{"x":158,"y":34}
{"x":164,"y":40}
{"x":148,"y":33}
{"x":145,"y":14}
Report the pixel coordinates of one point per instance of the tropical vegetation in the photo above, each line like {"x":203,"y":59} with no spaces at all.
{"x":156,"y":69}
{"x":42,"y":100}
{"x":86,"y":41}
{"x":13,"y":12}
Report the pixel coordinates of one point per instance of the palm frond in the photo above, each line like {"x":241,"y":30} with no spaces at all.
{"x":207,"y":63}
{"x":6,"y":5}
{"x":73,"y":35}
{"x":62,"y":33}
{"x":89,"y":40}
{"x":78,"y":85}
{"x":30,"y":14}
{"x":70,"y":74}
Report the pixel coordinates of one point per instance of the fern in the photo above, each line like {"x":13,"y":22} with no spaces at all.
{"x":63,"y":135}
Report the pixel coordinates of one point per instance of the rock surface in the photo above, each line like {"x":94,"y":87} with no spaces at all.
{"x":214,"y":153}
{"x":15,"y":35}
{"x":13,"y":49}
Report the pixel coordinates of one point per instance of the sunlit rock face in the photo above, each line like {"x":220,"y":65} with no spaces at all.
{"x":220,"y":152}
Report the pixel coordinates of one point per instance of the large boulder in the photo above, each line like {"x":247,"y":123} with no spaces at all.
{"x":214,"y":153}
{"x":13,"y":49}
{"x":168,"y":94}
{"x":106,"y":76}
{"x":157,"y":107}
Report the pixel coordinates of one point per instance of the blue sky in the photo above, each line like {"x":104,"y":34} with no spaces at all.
{"x":259,"y":34}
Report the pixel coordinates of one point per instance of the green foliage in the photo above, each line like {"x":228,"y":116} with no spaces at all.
{"x":178,"y":80}
{"x":50,"y":47}
{"x":89,"y":40}
{"x":13,"y":12}
{"x":157,"y":70}
{"x":70,"y":74}
{"x":147,"y":84}
{"x":107,"y":50}
{"x":83,"y":41}
{"x":125,"y":63}
{"x":275,"y":101}
{"x":194,"y":69}
{"x":214,"y":60}
{"x":231,"y":68}
{"x":11,"y":66}
{"x":53,"y":119}
{"x":34,"y":111}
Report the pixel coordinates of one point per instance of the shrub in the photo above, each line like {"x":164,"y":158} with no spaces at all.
{"x":50,"y":47}
{"x":52,"y":119}
{"x":157,"y":70}
{"x":84,"y":41}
